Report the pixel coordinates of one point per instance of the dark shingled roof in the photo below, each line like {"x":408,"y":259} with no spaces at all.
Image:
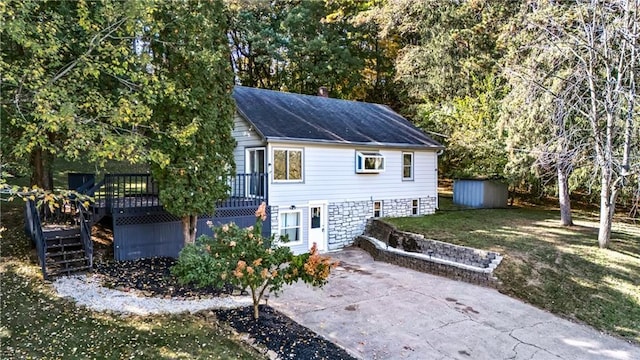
{"x":294,"y":117}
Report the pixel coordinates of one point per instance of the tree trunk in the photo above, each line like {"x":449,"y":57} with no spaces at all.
{"x":189,"y":228}
{"x":42,"y":169}
{"x":256,"y":314}
{"x":563,"y":195}
{"x":607,"y":208}
{"x":256,"y":303}
{"x":606,"y":221}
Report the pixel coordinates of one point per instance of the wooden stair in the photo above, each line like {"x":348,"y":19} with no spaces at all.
{"x":65,"y":253}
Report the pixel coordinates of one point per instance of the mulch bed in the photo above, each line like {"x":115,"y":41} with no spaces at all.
{"x":279,"y":333}
{"x":273,"y":330}
{"x":152,"y":277}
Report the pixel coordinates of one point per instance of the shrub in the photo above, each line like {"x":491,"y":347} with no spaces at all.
{"x":244,"y":258}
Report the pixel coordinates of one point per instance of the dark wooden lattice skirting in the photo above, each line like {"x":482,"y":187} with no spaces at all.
{"x":160,"y":233}
{"x":129,"y":219}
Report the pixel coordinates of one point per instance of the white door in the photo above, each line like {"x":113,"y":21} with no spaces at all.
{"x":318,"y":225}
{"x":255,"y":181}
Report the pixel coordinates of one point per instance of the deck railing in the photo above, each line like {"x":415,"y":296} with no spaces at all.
{"x":34,"y":230}
{"x":85,"y":233}
{"x":246,"y":190}
{"x":131,"y":192}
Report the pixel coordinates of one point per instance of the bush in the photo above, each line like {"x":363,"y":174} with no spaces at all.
{"x":244,"y":258}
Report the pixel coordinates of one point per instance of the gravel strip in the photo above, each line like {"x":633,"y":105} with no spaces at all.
{"x":86,"y":290}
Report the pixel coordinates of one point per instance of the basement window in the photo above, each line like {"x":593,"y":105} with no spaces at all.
{"x":377,"y":209}
{"x":415,"y":207}
{"x":369,"y":162}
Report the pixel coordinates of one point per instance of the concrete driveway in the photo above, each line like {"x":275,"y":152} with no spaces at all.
{"x":380,"y":311}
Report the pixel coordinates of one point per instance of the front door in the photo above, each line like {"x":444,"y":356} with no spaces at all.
{"x":318,"y":225}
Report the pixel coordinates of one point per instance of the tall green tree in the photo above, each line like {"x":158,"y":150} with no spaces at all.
{"x":444,"y":45}
{"x":300,"y":46}
{"x":71,"y":83}
{"x":447,"y":68}
{"x":471,"y":131}
{"x":193,"y":111}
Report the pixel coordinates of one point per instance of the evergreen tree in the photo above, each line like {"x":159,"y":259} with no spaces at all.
{"x":193,"y":114}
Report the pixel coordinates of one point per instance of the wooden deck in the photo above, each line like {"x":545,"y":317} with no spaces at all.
{"x":143,"y":228}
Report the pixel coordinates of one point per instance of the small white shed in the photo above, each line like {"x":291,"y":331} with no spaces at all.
{"x":480,"y":193}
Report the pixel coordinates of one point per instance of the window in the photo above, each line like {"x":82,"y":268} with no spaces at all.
{"x":407,"y":166}
{"x":291,"y":226}
{"x":377,"y":209}
{"x":415,"y":206}
{"x":287,"y":165}
{"x":369,"y":162}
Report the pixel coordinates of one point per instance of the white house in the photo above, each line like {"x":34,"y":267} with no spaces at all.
{"x":331,"y":164}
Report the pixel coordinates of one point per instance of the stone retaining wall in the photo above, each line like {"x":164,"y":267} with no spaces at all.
{"x":385,"y":243}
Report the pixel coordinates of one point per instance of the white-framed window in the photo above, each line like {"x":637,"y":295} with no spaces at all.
{"x":290,"y":225}
{"x":287,"y":164}
{"x":377,"y":209}
{"x":407,"y":166}
{"x":369,"y":162}
{"x":415,"y":206}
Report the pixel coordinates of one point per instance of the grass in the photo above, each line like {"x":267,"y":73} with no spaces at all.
{"x":35,"y":324}
{"x":557,"y":268}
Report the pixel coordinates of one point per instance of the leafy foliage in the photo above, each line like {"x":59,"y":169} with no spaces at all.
{"x":193,"y":112}
{"x":474,"y":139}
{"x":71,"y":82}
{"x":300,"y":46}
{"x":244,"y":258}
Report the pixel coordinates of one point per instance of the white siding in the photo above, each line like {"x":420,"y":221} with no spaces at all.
{"x":329,"y":174}
{"x":246,"y":137}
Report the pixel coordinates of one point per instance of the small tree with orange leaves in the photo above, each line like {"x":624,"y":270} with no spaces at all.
{"x":244,"y":258}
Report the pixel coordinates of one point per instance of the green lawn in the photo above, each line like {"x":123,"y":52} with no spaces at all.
{"x":553,"y":267}
{"x":35,"y":324}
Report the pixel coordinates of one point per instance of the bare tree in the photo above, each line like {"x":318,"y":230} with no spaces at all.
{"x":607,"y":50}
{"x":599,"y":42}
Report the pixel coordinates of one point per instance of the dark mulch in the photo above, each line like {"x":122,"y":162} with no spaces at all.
{"x":273,"y":330}
{"x":281,"y":334}
{"x":152,"y":276}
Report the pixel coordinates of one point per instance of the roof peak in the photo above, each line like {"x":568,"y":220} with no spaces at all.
{"x":318,"y":97}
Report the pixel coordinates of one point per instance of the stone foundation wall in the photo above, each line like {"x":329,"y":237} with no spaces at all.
{"x":348,"y":219}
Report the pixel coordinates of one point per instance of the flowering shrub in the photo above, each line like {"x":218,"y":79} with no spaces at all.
{"x":244,"y":258}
